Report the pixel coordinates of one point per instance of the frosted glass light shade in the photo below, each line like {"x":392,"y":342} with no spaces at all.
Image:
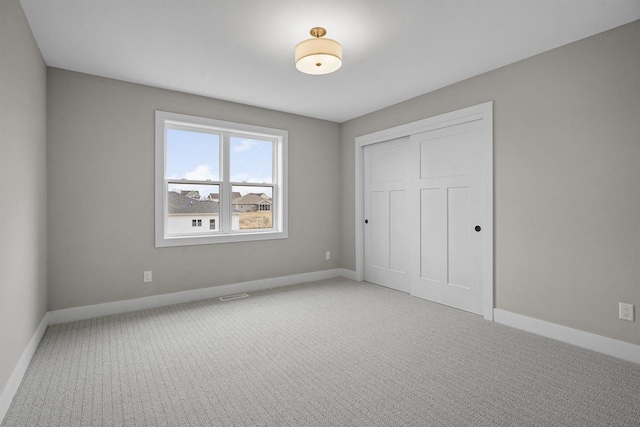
{"x":318,"y":56}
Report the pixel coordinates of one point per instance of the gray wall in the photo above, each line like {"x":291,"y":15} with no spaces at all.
{"x":101,"y":206}
{"x":567,"y":204}
{"x":23,"y":198}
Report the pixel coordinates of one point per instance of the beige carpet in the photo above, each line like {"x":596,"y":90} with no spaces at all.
{"x":335,"y":352}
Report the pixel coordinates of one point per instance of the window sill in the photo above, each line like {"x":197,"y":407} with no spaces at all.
{"x":164,"y":242}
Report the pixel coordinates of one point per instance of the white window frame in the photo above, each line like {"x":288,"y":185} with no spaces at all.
{"x":226,"y":129}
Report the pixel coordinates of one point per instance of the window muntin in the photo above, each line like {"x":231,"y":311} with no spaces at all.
{"x":214,"y":163}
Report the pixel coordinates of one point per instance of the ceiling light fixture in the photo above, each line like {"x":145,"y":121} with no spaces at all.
{"x":318,"y":55}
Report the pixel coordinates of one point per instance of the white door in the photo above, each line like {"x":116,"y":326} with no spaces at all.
{"x":445,"y":216}
{"x":385,"y":206}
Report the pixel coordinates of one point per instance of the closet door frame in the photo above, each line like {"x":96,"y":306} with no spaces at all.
{"x":481,"y":112}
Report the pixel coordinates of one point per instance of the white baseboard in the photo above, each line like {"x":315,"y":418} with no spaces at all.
{"x":616,"y":348}
{"x":90,"y":311}
{"x":15,"y":379}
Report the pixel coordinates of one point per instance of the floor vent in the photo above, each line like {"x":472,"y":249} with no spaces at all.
{"x":232,"y":297}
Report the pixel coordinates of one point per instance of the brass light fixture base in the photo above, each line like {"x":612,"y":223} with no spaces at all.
{"x":318,"y":32}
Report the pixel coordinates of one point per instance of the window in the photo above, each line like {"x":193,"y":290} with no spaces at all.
{"x":231,"y":174}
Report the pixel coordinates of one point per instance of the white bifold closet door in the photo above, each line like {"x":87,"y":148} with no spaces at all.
{"x":423,"y":201}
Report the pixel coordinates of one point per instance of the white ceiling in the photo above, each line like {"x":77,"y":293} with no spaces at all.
{"x":242,"y":51}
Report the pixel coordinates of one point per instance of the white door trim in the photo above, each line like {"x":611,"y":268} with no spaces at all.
{"x":483,"y":112}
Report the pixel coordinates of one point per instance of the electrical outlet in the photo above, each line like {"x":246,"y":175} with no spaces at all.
{"x":147,"y":276}
{"x":327,"y":255}
{"x":626,"y":311}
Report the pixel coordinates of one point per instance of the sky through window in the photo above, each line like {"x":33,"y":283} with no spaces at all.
{"x":196,"y":156}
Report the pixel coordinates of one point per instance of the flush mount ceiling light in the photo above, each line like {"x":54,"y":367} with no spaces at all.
{"x":318,"y":55}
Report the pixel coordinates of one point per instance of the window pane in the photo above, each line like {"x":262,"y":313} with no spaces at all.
{"x":252,"y":207}
{"x":251,"y":160}
{"x":192,"y":208}
{"x":192,"y":155}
